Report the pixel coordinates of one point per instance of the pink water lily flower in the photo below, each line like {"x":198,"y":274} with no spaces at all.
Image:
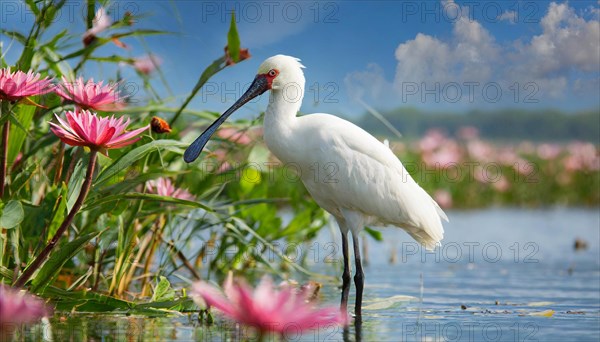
{"x":101,"y":22}
{"x":18,"y":307}
{"x":17,"y":85}
{"x":90,"y":95}
{"x":84,"y":128}
{"x":164,"y":187}
{"x":147,"y":64}
{"x":267,"y":308}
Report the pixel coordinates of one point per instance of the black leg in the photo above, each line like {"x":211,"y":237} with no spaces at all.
{"x":345,"y":275}
{"x":359,"y":277}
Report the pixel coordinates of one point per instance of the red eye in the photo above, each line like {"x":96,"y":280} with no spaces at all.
{"x":273,"y":72}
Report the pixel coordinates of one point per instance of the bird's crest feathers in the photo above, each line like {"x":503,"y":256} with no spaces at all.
{"x":279,"y":61}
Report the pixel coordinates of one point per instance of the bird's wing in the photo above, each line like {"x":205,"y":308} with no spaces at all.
{"x":370,"y":179}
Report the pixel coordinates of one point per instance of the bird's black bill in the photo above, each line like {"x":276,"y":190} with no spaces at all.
{"x":259,"y":86}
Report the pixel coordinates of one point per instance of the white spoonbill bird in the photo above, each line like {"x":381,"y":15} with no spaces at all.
{"x":348,"y":172}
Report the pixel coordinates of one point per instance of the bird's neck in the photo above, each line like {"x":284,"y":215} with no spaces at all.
{"x":285,"y":103}
{"x":280,"y":120}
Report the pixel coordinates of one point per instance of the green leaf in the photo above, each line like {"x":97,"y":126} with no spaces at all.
{"x":134,"y":155}
{"x":136,"y":33}
{"x":99,"y":41}
{"x":76,"y":181}
{"x":30,"y":45}
{"x":57,"y":260}
{"x":162,"y":108}
{"x":14,"y":35}
{"x":59,"y":212}
{"x":375,"y":234}
{"x":12,"y":215}
{"x":6,"y":273}
{"x":130,"y":183}
{"x":33,"y":6}
{"x":50,"y":14}
{"x":180,"y":304}
{"x":250,"y":178}
{"x":244,"y":227}
{"x":163,"y":291}
{"x":91,"y":13}
{"x":24,"y":114}
{"x":147,"y":197}
{"x":233,"y":41}
{"x":85,"y":301}
{"x":54,"y":61}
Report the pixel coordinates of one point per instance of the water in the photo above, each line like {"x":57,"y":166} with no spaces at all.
{"x":501,"y":275}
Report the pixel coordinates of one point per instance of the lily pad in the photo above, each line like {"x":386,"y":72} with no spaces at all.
{"x":545,"y":313}
{"x":540,"y":303}
{"x":385,"y":303}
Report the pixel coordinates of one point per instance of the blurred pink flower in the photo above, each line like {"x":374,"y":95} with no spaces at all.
{"x":164,"y":187}
{"x":480,"y":151}
{"x":468,"y":133}
{"x":525,"y":168}
{"x":448,"y":155}
{"x":572,"y":164}
{"x":101,"y":22}
{"x":526,"y":147}
{"x":19,"y":307}
{"x":501,"y":184}
{"x":224,"y":167}
{"x":90,"y":95}
{"x":582,"y":156}
{"x":548,"y":151}
{"x":485,"y":175}
{"x":17,"y":85}
{"x":433,"y":139}
{"x":508,"y":157}
{"x":234,"y":135}
{"x":266,"y":308}
{"x":439,"y":152}
{"x":147,"y":64}
{"x":84,"y":128}
{"x":443,"y":198}
{"x":220,"y":164}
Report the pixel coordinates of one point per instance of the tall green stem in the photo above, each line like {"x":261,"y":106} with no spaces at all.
{"x":4,"y":149}
{"x":41,"y":258}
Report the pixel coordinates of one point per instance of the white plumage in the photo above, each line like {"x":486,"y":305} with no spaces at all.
{"x":347,"y":171}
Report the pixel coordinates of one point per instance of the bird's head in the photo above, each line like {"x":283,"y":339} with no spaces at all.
{"x":281,"y":71}
{"x":275,"y":73}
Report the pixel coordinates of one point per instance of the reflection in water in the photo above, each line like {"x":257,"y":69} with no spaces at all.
{"x":496,"y":278}
{"x":357,"y":331}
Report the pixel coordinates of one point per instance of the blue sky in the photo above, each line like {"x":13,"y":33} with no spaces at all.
{"x":433,"y":55}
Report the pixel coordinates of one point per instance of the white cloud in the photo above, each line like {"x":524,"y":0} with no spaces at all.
{"x":567,"y":41}
{"x":469,"y":55}
{"x":566,"y":48}
{"x":369,"y":83}
{"x":423,"y":59}
{"x":509,"y":16}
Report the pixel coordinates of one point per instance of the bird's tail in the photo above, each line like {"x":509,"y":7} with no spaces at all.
{"x":426,"y":240}
{"x":430,"y":232}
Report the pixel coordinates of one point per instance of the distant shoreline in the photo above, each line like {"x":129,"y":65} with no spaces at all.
{"x":502,"y":125}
